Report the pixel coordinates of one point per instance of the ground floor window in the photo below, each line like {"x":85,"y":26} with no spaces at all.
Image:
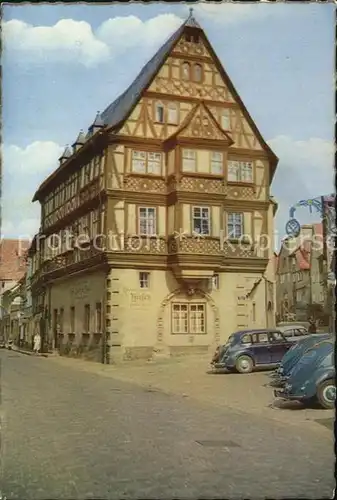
{"x":189,"y":318}
{"x":72,"y":320}
{"x":86,"y":318}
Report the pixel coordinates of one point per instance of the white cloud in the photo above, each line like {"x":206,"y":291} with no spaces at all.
{"x":121,"y":33}
{"x":23,"y":171}
{"x":37,"y":157}
{"x":305,"y":170}
{"x":74,"y":41}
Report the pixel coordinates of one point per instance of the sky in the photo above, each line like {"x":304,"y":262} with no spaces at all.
{"x":63,"y":63}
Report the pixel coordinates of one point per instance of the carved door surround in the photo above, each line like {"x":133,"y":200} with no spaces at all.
{"x":190,"y":291}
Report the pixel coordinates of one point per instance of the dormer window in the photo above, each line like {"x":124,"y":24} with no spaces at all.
{"x":186,"y":71}
{"x":197,"y":73}
{"x":159,"y":112}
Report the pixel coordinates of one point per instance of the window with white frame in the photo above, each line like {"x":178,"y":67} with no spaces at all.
{"x":147,"y":221}
{"x":201,"y":220}
{"x":146,"y":163}
{"x":159,"y":112}
{"x":144,"y":280}
{"x":172,"y":113}
{"x":240,"y":171}
{"x":139,"y":162}
{"x":216,"y":163}
{"x":189,"y":160}
{"x":154,"y":163}
{"x":234,"y":225}
{"x":188,"y":318}
{"x":225,"y":120}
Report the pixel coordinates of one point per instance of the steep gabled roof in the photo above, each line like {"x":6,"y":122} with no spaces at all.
{"x":117,"y":112}
{"x":119,"y":109}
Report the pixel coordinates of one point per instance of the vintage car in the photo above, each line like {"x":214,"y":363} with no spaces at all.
{"x":313,"y":377}
{"x":302,"y":324}
{"x":293,"y":331}
{"x":293,"y":355}
{"x":249,"y":349}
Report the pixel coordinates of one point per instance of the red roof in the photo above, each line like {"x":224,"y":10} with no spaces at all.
{"x":318,"y":229}
{"x":303,"y":253}
{"x":302,"y":258}
{"x":13,"y":259}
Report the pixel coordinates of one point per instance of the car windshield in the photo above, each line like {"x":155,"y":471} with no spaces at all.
{"x":328,"y":360}
{"x":230,"y":340}
{"x":316,"y":352}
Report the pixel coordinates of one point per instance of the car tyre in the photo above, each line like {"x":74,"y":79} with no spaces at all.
{"x":244,"y":364}
{"x":326,"y":394}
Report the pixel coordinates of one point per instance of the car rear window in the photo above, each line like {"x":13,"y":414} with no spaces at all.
{"x":289,"y":333}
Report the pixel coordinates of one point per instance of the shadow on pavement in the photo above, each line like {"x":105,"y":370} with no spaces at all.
{"x":329,"y":423}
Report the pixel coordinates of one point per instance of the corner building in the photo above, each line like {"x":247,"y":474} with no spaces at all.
{"x":172,"y":180}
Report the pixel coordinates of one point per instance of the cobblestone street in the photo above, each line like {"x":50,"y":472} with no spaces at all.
{"x":190,"y":377}
{"x":72,"y":429}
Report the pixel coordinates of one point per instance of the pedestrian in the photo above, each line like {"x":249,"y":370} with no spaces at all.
{"x":312,"y":326}
{"x":37,"y":342}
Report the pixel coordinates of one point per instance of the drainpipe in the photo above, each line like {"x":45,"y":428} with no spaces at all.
{"x":105,"y":346}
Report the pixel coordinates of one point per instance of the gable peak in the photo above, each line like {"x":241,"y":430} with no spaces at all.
{"x":200,"y":123}
{"x":191,"y":21}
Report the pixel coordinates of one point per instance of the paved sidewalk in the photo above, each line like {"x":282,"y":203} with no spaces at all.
{"x":31,"y":353}
{"x":189,"y":377}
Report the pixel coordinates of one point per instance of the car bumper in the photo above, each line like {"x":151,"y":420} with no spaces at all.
{"x":219,"y":366}
{"x":282,"y":394}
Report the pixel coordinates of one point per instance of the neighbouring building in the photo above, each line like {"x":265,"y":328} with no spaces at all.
{"x":167,"y":198}
{"x":12,"y":270}
{"x":300,"y":274}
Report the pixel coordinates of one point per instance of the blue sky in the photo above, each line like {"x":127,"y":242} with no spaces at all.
{"x":63,"y":63}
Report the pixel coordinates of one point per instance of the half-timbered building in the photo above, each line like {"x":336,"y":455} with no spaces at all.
{"x":167,"y":199}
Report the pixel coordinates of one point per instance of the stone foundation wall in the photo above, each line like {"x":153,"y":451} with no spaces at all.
{"x":188,"y":350}
{"x":134,"y":353}
{"x":89,"y":349}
